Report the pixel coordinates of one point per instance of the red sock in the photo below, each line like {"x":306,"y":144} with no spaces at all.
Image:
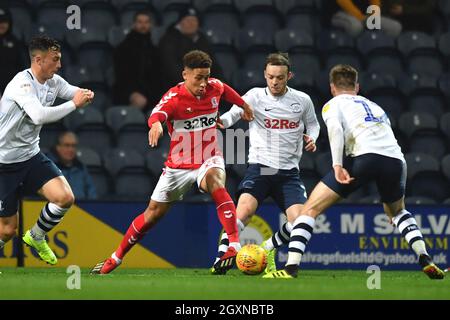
{"x":227,"y":213}
{"x":135,"y":233}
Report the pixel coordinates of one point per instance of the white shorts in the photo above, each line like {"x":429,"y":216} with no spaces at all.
{"x":174,"y":183}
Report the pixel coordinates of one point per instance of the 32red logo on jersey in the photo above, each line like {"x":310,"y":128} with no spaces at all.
{"x":281,"y":124}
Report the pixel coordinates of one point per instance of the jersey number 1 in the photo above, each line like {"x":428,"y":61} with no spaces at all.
{"x":370,"y":117}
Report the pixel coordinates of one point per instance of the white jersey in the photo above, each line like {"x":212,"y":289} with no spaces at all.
{"x":276,"y":133}
{"x":367,"y":128}
{"x":23,"y":110}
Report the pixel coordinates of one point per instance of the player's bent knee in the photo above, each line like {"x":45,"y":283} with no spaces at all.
{"x":8,"y":232}
{"x":65,"y":200}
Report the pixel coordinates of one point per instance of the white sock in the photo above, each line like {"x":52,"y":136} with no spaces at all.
{"x":119,"y":261}
{"x":235,"y":245}
{"x":301,"y":233}
{"x":407,"y":225}
{"x":50,"y":216}
{"x":241,"y":225}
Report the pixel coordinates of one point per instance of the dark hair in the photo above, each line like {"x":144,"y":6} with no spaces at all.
{"x":344,"y":76}
{"x":197,"y":59}
{"x":278,"y":59}
{"x":43,"y":43}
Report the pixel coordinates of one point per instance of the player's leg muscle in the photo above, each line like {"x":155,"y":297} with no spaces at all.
{"x":214,"y":179}
{"x":321,"y":198}
{"x":155,"y":211}
{"x":246,"y":207}
{"x":58,"y":191}
{"x":8,"y":227}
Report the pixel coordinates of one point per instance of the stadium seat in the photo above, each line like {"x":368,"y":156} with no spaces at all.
{"x":221,"y":21}
{"x":376,"y":82}
{"x":419,"y":200}
{"x":429,"y":142}
{"x":78,"y":75}
{"x":22,"y":16}
{"x":445,"y":124}
{"x":415,"y":83}
{"x":287,"y":6}
{"x":445,"y":166}
{"x":292,"y":40}
{"x":49,"y":29}
{"x":245,"y":6}
{"x":444,"y":44}
{"x":371,"y":42}
{"x":444,"y":7}
{"x":429,"y":184}
{"x":335,"y":41}
{"x":52,"y":12}
{"x":385,"y":63}
{"x":254,"y":39}
{"x":208,"y":6}
{"x":444,"y":85}
{"x":75,"y":38}
{"x":301,"y":22}
{"x":411,"y":123}
{"x":95,"y":55}
{"x":229,"y":63}
{"x":433,"y":104}
{"x":119,"y":160}
{"x":413,"y":41}
{"x":134,"y":186}
{"x":89,"y":157}
{"x":130,"y":127}
{"x":154,"y":161}
{"x":164,"y":5}
{"x":98,"y":17}
{"x":89,"y":125}
{"x":121,"y":4}
{"x":266,"y":21}
{"x":420,"y":162}
{"x":426,"y":64}
{"x":255,"y":60}
{"x":117,"y":34}
{"x":349,"y":58}
{"x":245,"y":79}
{"x":222,"y":40}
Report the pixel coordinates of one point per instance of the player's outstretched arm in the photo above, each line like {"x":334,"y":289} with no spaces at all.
{"x":156,"y":132}
{"x":248,"y":114}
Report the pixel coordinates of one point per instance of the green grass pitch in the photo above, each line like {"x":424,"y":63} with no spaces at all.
{"x":198,"y":284}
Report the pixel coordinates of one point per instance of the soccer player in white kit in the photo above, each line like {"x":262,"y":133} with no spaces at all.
{"x":25,"y":106}
{"x":361,"y":128}
{"x":276,"y":146}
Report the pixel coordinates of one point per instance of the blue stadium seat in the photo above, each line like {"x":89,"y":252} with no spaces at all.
{"x":75,"y":38}
{"x":130,"y":127}
{"x":49,"y":29}
{"x":121,"y":4}
{"x":417,"y":83}
{"x":102,"y":99}
{"x":98,"y":17}
{"x":117,"y":34}
{"x":89,"y":157}
{"x":134,"y":186}
{"x":421,"y":162}
{"x":445,"y":124}
{"x":221,"y":39}
{"x":372,"y":82}
{"x":292,"y":40}
{"x":411,"y":123}
{"x":254,"y":39}
{"x":52,"y":13}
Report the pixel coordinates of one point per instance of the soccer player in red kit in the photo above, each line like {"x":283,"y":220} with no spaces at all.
{"x":190,"y":111}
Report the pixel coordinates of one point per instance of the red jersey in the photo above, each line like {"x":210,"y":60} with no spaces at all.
{"x":191,"y":122}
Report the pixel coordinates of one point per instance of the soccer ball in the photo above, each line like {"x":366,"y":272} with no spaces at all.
{"x":251,"y":259}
